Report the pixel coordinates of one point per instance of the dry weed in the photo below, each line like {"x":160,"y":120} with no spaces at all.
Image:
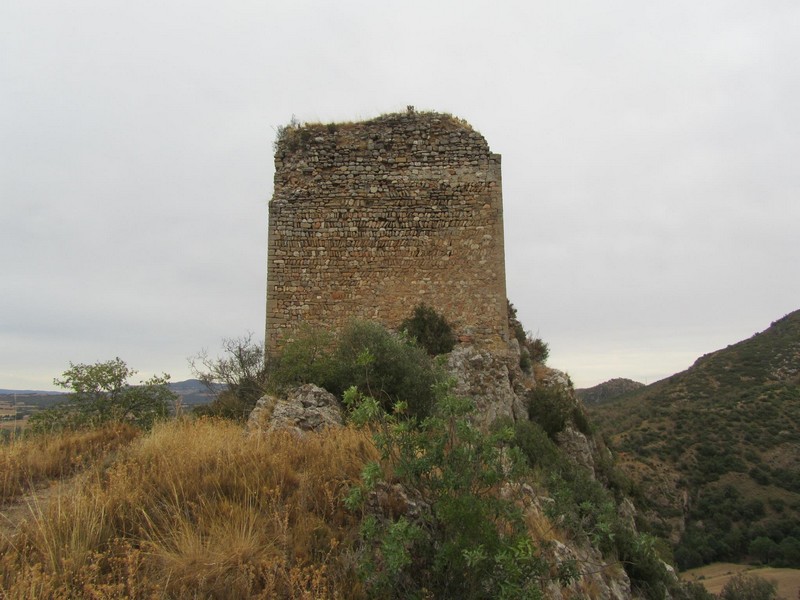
{"x":200,"y":509}
{"x":27,"y":462}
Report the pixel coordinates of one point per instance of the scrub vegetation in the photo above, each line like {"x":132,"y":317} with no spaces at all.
{"x":728,"y":429}
{"x":408,"y":500}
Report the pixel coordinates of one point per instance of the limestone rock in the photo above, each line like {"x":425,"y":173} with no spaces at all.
{"x":305,"y":408}
{"x":605,"y":577}
{"x":484,"y":377}
{"x":521,"y":381}
{"x":577,"y":447}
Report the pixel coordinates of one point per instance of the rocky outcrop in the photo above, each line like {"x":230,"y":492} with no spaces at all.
{"x":594,"y":576}
{"x":576,"y":568}
{"x":306,"y":408}
{"x":484,"y":376}
{"x":577,"y":447}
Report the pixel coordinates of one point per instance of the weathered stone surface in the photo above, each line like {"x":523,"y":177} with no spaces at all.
{"x":596,"y":576}
{"x":577,"y":447}
{"x":392,"y":501}
{"x":261,"y":413}
{"x":306,"y":408}
{"x":483,"y":376}
{"x":370,"y":219}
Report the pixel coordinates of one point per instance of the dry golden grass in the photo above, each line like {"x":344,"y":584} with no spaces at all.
{"x":199,"y":509}
{"x":716,"y":575}
{"x":26,"y":462}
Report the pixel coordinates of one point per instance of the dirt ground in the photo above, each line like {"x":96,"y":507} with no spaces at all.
{"x":715,"y":576}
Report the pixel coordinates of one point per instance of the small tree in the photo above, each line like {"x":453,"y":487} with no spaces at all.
{"x":101,"y":393}
{"x":468,"y":542}
{"x":746,"y":586}
{"x":430,"y":329}
{"x":763,"y":548}
{"x":237,"y":379}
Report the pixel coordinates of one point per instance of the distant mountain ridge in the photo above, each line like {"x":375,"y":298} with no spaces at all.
{"x":608,"y":390}
{"x":192,"y":392}
{"x":4,"y":392}
{"x":716,"y":449}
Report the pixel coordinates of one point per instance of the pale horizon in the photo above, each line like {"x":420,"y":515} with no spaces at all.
{"x":648,"y":150}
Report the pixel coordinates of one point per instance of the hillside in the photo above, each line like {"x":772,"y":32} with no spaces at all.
{"x":608,"y":390}
{"x":716,"y":449}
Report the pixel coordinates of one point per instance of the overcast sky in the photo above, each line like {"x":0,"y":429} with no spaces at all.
{"x":650,"y":165}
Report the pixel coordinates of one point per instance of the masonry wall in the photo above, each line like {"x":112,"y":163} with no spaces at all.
{"x":370,"y":219}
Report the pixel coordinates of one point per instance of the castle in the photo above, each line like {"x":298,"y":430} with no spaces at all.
{"x":370,"y":219}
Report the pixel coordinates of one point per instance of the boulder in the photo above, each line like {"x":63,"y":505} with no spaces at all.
{"x":305,"y":408}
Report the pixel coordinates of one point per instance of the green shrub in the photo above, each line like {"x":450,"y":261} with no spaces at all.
{"x":471,"y":543}
{"x":538,"y":349}
{"x":388,"y":366}
{"x":581,"y":421}
{"x":430,"y":329}
{"x":763,"y":549}
{"x":308,"y":358}
{"x":536,"y":445}
{"x":515,"y":325}
{"x":525,"y":362}
{"x":101,"y":394}
{"x":694,"y":591}
{"x":548,"y":407}
{"x":746,"y":586}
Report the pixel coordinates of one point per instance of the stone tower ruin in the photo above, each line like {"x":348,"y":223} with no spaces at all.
{"x":370,"y":219}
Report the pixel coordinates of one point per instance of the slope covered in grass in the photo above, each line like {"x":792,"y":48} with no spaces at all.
{"x":197,"y":508}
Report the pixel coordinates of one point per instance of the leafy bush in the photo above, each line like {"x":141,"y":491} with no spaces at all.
{"x":536,"y":445}
{"x":430,"y":329}
{"x":515,"y":325}
{"x":548,"y":407}
{"x":694,"y":591}
{"x":746,"y":586}
{"x":471,"y":543}
{"x":538,"y":349}
{"x":101,"y":394}
{"x":308,"y":358}
{"x":388,"y":366}
{"x":763,"y":549}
